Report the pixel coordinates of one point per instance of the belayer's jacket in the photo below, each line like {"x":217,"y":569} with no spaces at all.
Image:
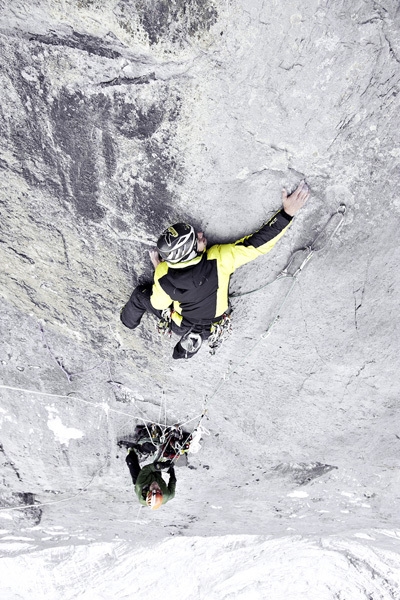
{"x":147,"y":475}
{"x":198,"y":288}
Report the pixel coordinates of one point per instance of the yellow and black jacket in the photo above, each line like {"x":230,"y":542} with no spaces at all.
{"x":198,"y":289}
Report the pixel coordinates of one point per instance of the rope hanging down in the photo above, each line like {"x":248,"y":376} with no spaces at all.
{"x":292,"y":270}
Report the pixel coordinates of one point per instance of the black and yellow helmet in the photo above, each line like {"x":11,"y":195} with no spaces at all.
{"x":177,"y":243}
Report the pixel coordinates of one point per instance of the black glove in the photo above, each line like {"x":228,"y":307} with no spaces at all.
{"x":163,"y":465}
{"x":171,"y":471}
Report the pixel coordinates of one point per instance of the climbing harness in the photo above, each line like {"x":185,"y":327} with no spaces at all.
{"x":169,"y":444}
{"x":192,"y":340}
{"x":191,"y":444}
{"x":215,"y":334}
{"x":165,"y":444}
{"x":175,"y":441}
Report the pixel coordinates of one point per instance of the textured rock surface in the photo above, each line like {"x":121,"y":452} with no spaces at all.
{"x":119,"y":117}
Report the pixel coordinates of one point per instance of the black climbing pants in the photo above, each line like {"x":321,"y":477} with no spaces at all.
{"x":139,"y":303}
{"x":133,"y":465}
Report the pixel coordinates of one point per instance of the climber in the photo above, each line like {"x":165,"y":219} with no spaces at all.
{"x":190,"y":288}
{"x":150,"y":487}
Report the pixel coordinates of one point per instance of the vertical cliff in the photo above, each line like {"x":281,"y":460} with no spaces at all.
{"x":119,"y":117}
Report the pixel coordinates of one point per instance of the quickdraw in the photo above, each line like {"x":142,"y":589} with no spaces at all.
{"x":220,"y":331}
{"x":164,"y":325}
{"x":173,"y":443}
{"x":293,"y":268}
{"x":299,"y":259}
{"x":179,"y":442}
{"x":165,"y":443}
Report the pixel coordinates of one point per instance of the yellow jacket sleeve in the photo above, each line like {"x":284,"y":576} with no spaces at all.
{"x":233,"y":256}
{"x":160,"y":299}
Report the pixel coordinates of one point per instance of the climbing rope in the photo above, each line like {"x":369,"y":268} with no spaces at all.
{"x":291,"y":270}
{"x":75,"y":396}
{"x":39,"y":504}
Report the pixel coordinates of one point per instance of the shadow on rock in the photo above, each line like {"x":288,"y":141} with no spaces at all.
{"x":303,"y":473}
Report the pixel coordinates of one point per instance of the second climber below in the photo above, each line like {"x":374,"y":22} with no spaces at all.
{"x":150,"y":487}
{"x":191,"y":283}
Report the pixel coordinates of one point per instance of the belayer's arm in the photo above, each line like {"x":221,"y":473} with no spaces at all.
{"x":172,"y":484}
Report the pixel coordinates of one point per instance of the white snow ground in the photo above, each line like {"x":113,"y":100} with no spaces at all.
{"x":365,"y":565}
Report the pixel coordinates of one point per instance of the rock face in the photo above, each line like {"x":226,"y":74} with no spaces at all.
{"x":120,"y":117}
